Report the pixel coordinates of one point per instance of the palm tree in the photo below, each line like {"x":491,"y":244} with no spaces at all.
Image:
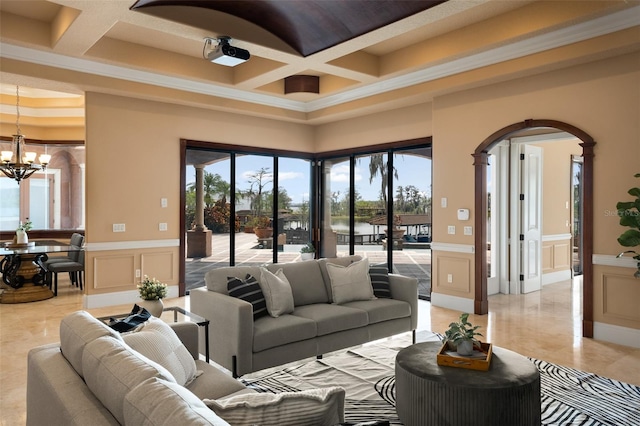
{"x":377,"y":164}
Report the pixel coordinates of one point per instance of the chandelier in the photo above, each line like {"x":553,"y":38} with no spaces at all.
{"x":24,"y":165}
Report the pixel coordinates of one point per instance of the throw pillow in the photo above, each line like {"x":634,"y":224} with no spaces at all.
{"x":379,"y":275}
{"x":350,"y":283}
{"x":314,"y":407}
{"x":159,"y":402}
{"x":158,"y":342}
{"x":277,"y":292}
{"x":111,"y":369}
{"x":249,"y":291}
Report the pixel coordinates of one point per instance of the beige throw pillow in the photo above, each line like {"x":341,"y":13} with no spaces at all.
{"x":314,"y":407}
{"x":350,"y":283}
{"x":158,"y":342}
{"x":277,"y":292}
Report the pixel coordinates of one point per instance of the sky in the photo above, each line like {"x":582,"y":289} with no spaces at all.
{"x":294,"y":175}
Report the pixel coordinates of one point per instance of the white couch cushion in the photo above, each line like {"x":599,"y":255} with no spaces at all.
{"x":314,"y":407}
{"x":277,"y":292}
{"x":112,"y":369}
{"x":159,"y":402}
{"x":158,"y":342}
{"x":351,"y":282}
{"x":76,"y":330}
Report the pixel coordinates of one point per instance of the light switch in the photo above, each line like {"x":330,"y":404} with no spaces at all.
{"x":162,"y":226}
{"x":118,"y":227}
{"x":443,"y":202}
{"x":451,"y":230}
{"x":163,"y":202}
{"x":468,"y":230}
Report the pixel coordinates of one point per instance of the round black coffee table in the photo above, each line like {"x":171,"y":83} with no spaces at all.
{"x":430,"y":394}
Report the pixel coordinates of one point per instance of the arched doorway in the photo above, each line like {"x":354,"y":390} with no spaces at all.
{"x":481,"y":305}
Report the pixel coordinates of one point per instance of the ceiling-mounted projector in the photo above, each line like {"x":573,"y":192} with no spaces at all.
{"x":224,"y":53}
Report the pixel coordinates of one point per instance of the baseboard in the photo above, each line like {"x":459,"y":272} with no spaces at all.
{"x":119,"y":298}
{"x":456,"y":303}
{"x":555,"y":277}
{"x":616,"y":334}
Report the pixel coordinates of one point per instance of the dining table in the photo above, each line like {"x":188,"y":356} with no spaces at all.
{"x":25,"y":277}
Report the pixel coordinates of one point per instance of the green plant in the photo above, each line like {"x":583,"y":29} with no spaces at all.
{"x":629,"y":213}
{"x":152,"y":289}
{"x":461,"y":331}
{"x":25,"y":226}
{"x":308,"y":248}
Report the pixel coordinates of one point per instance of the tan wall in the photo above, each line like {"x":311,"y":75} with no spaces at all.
{"x":600,"y":98}
{"x":133,"y":152}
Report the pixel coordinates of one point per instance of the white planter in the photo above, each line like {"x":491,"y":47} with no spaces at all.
{"x":21,"y":237}
{"x":307,"y":256}
{"x":465,"y":347}
{"x":153,"y":306}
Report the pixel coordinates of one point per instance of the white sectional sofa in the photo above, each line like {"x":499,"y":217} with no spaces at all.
{"x":322,"y":318}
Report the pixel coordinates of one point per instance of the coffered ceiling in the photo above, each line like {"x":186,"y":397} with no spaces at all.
{"x":74,"y":46}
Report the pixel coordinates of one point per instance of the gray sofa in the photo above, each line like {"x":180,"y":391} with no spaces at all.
{"x":63,"y":390}
{"x":315,"y":327}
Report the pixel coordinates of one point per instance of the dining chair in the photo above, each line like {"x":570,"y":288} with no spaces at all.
{"x":74,"y":268}
{"x":75,"y":240}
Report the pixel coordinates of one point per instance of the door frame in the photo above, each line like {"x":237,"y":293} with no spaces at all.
{"x":481,"y":154}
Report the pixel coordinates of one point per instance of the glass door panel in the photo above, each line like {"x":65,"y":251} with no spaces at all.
{"x":336,"y":210}
{"x":294,"y":207}
{"x":254,"y":206}
{"x":412,"y":216}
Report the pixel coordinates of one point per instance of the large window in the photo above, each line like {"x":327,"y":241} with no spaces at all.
{"x":51,"y":199}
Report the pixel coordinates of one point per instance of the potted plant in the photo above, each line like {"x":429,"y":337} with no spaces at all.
{"x":629,"y":213}
{"x":396,"y":232}
{"x":21,"y":232}
{"x":262,"y":227}
{"x":307,"y":251}
{"x":152,"y":292}
{"x":461,"y":336}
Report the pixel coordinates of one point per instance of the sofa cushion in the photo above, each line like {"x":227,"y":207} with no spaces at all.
{"x":248,"y":289}
{"x":277,"y":292}
{"x":379,"y":310}
{"x":313,"y":407}
{"x":332,"y":318}
{"x":306,"y":281}
{"x":349,"y":283}
{"x":216,"y":278}
{"x":342,"y":261}
{"x":159,"y":402}
{"x":214,"y":382}
{"x":76,"y":330}
{"x":379,"y":275}
{"x":112,"y":369}
{"x":269,"y":332}
{"x":158,"y":342}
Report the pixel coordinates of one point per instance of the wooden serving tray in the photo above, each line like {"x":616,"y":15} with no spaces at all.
{"x":446,"y":357}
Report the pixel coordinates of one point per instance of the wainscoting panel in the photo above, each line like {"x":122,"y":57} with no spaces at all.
{"x":616,"y":300}
{"x":556,"y":258}
{"x":121,"y":271}
{"x":458,"y":269}
{"x":163,"y":264}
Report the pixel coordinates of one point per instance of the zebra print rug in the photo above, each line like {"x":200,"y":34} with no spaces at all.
{"x":569,"y":397}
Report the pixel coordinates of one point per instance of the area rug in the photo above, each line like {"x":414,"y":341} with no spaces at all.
{"x":569,"y":397}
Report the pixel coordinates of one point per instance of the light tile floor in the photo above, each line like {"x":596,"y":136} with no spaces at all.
{"x":545,"y":325}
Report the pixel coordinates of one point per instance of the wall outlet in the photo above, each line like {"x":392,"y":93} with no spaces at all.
{"x":138,"y":273}
{"x":163,"y":202}
{"x":451,"y":230}
{"x":443,"y":202}
{"x":449,"y":278}
{"x":468,"y":230}
{"x":118,"y":227}
{"x":162,"y":226}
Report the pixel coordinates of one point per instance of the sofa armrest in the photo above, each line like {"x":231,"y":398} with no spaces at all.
{"x":406,"y":288}
{"x":230,"y":328}
{"x":56,"y":395}
{"x":187,"y":332}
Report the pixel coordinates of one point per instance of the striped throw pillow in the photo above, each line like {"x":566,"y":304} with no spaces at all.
{"x":380,"y":281}
{"x":248,"y":290}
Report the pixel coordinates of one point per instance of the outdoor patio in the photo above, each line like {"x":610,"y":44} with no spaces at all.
{"x":410,"y":262}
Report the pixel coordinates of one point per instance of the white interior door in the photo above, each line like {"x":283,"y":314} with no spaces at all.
{"x":530,"y":218}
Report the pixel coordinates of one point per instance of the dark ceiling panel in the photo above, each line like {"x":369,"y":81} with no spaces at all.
{"x":308,"y":26}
